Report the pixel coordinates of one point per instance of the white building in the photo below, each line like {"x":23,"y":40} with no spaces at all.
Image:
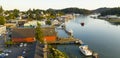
{"x":55,"y":22}
{"x":2,"y":29}
{"x":112,"y":16}
{"x":34,"y":23}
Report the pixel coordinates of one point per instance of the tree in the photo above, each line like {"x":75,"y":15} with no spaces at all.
{"x":16,"y":13}
{"x":30,"y":14}
{"x":2,"y":20}
{"x":48,"y":22}
{"x":38,"y":33}
{"x":1,"y":10}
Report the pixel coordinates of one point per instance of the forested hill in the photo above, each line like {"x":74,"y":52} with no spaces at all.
{"x":75,"y":10}
{"x":112,"y":11}
{"x":99,"y":10}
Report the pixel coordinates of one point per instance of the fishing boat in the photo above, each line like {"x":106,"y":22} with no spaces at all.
{"x":85,"y":50}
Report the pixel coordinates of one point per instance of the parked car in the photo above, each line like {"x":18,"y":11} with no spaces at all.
{"x":7,"y":51}
{"x":2,"y":55}
{"x":25,"y":44}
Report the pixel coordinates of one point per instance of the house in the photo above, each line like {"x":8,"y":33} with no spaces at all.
{"x":34,"y":23}
{"x":112,"y":16}
{"x":23,"y":35}
{"x":21,"y":23}
{"x":11,"y":23}
{"x":2,"y":29}
{"x":55,"y":22}
{"x":49,"y":34}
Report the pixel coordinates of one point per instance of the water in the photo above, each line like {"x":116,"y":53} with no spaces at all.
{"x":100,"y":35}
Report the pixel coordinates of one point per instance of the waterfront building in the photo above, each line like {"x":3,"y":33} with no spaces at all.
{"x":23,"y":35}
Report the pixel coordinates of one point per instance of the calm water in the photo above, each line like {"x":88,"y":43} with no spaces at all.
{"x":100,"y":35}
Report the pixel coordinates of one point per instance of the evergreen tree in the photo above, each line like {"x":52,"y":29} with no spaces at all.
{"x":2,"y":20}
{"x":1,"y":10}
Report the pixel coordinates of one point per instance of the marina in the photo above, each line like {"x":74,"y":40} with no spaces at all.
{"x":87,"y":33}
{"x":71,"y":40}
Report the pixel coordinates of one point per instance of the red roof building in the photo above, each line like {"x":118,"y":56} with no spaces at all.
{"x":49,"y":34}
{"x":23,"y":35}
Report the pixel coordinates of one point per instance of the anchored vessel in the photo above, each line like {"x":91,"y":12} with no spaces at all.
{"x":85,"y":50}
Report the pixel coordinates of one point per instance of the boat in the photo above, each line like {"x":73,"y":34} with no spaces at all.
{"x":70,"y":32}
{"x":82,"y":24}
{"x":85,"y":50}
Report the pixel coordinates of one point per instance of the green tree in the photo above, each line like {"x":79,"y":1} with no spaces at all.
{"x":38,"y":33}
{"x":2,"y":20}
{"x":48,"y":22}
{"x":16,"y":12}
{"x":1,"y":10}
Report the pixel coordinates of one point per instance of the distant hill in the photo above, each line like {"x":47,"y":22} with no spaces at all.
{"x":76,"y":10}
{"x":99,"y":10}
{"x":70,"y":11}
{"x":112,"y":11}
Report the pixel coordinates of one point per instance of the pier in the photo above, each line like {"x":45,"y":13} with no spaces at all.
{"x":69,"y":32}
{"x":69,"y":40}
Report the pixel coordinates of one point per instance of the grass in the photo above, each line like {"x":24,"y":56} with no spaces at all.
{"x":55,"y":53}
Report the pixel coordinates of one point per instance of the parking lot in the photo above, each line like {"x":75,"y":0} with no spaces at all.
{"x":22,"y":49}
{"x":27,"y":51}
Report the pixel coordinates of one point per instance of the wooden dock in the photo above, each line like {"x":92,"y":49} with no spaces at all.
{"x":69,"y":40}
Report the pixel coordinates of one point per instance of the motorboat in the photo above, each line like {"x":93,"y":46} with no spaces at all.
{"x":85,"y":50}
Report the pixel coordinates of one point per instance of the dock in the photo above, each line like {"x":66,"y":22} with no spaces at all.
{"x":69,"y":40}
{"x":69,"y":32}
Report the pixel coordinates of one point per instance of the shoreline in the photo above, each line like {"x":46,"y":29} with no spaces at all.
{"x":115,"y":21}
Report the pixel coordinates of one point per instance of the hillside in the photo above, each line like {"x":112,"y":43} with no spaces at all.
{"x":99,"y":10}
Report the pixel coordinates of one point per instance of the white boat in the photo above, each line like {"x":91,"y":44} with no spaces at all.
{"x":70,"y":31}
{"x":85,"y":50}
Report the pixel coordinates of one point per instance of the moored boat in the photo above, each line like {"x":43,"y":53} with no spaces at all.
{"x":85,"y":50}
{"x":82,"y":24}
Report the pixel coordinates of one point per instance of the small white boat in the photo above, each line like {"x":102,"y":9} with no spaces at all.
{"x":70,"y":31}
{"x":85,"y":50}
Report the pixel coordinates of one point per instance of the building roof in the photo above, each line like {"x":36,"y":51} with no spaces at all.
{"x":49,"y":31}
{"x":23,"y":32}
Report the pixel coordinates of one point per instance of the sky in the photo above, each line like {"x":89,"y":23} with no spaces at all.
{"x":57,"y":4}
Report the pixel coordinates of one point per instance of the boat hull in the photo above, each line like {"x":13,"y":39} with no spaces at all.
{"x":86,"y":54}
